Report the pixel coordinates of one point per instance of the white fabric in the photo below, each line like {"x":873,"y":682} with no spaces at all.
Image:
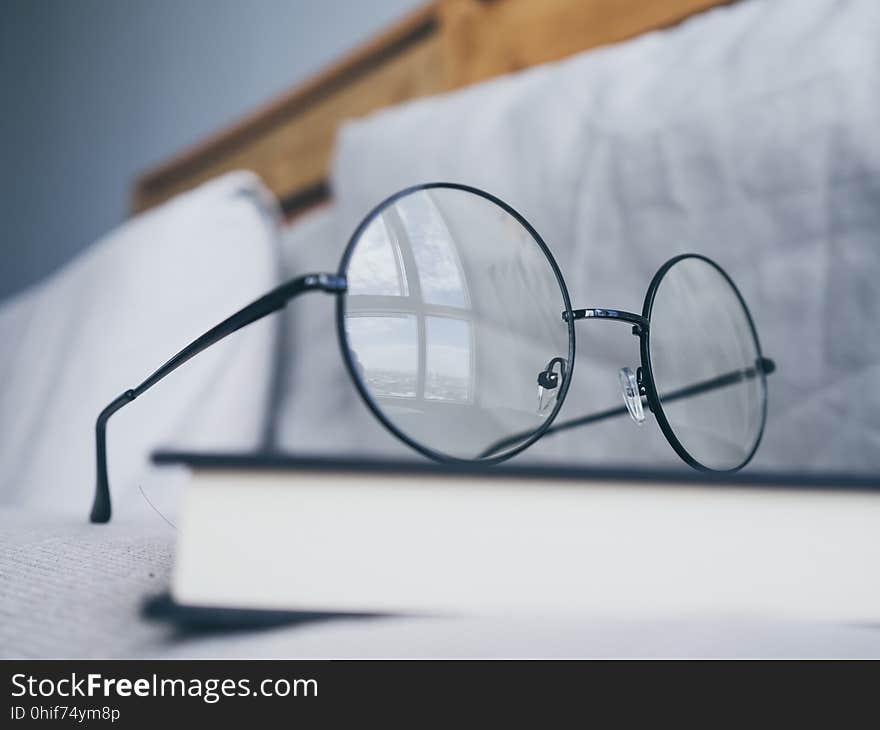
{"x":751,"y":134}
{"x":70,"y":589}
{"x":111,"y":317}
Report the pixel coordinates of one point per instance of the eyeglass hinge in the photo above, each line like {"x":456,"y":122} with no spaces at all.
{"x":325,"y":282}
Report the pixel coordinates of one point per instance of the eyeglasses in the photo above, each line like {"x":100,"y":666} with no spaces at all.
{"x":455,"y":324}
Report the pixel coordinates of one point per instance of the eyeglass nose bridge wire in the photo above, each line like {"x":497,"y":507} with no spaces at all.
{"x":632,"y":383}
{"x":640,"y":323}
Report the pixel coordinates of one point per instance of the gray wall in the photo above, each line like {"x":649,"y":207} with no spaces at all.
{"x":95,"y":91}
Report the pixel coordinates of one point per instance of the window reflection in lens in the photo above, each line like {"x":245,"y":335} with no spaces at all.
{"x":433,"y":249}
{"x":483,"y":310}
{"x":449,"y":359}
{"x":386,"y":353}
{"x":376,"y":268}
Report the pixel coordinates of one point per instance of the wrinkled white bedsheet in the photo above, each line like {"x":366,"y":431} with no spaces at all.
{"x":750,"y":133}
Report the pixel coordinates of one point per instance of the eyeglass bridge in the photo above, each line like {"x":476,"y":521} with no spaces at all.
{"x":640,"y":323}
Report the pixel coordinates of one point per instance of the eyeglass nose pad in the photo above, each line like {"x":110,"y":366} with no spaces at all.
{"x":548,"y":383}
{"x":629,"y":384}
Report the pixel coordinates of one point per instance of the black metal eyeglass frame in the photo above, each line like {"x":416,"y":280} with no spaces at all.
{"x":278,"y":298}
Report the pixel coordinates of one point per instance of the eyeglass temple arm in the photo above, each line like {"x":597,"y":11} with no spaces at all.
{"x":267,"y":304}
{"x":764,"y":365}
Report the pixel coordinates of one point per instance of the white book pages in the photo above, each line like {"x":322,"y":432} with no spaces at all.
{"x":441,"y":545}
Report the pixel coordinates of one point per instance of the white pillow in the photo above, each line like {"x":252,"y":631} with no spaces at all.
{"x":115,"y":314}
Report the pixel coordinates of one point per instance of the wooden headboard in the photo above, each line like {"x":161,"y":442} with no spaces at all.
{"x":443,"y":46}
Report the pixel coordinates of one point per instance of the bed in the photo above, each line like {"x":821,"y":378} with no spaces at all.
{"x":626,"y":132}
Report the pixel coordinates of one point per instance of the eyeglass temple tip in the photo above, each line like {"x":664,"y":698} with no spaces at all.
{"x":101,"y":507}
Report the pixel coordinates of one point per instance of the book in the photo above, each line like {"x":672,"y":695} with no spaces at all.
{"x":291,"y":536}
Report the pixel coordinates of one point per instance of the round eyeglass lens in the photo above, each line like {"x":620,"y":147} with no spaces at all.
{"x":706,"y":365}
{"x":453,"y":313}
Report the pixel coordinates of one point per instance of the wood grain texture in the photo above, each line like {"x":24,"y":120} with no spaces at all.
{"x":443,"y":46}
